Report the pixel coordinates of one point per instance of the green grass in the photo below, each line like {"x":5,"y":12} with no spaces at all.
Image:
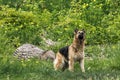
{"x":101,"y":63}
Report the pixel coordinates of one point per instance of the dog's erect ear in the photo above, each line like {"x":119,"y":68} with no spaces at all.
{"x":83,"y":30}
{"x":75,"y":31}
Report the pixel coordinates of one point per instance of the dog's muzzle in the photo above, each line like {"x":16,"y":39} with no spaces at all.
{"x":81,"y":36}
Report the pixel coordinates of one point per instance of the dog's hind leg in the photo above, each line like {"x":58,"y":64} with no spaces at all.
{"x":58,"y":62}
{"x":65,"y":65}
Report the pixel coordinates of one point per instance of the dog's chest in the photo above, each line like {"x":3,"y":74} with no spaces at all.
{"x":78,"y":55}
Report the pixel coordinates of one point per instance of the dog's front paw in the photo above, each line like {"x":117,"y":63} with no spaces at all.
{"x":71,"y":69}
{"x":83,"y":71}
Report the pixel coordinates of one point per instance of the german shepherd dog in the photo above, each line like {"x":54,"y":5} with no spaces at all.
{"x":66,"y":56}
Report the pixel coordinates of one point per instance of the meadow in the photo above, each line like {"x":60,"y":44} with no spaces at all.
{"x":34,"y":21}
{"x":101,"y":63}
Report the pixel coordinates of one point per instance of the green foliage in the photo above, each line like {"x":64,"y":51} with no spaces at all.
{"x":30,"y":21}
{"x":38,"y":17}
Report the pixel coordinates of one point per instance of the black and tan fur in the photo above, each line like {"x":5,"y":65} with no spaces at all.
{"x":66,"y":56}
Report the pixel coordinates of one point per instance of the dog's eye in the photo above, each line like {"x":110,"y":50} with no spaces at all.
{"x":80,"y":32}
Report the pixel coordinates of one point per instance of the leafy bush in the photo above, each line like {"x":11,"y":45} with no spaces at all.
{"x":54,"y":18}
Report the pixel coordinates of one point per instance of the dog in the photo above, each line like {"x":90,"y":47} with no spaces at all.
{"x":66,"y":56}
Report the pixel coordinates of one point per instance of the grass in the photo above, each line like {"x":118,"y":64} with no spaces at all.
{"x":101,"y":63}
